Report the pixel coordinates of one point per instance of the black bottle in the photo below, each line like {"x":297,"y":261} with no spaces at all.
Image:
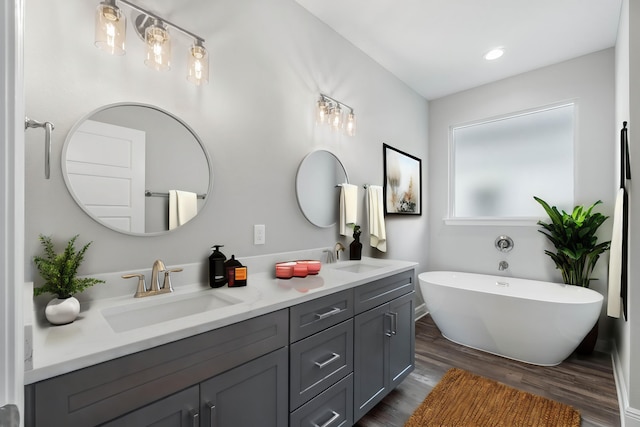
{"x":355,"y":248}
{"x":217,"y":272}
{"x":236,"y":272}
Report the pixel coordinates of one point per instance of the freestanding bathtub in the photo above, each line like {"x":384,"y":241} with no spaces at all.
{"x":526,"y":320}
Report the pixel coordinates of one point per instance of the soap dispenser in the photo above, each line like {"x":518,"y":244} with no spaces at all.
{"x":217,"y":272}
{"x":236,"y":272}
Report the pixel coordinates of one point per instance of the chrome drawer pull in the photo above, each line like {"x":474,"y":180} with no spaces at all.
{"x":331,"y":420}
{"x":332,"y":312}
{"x":333,"y":358}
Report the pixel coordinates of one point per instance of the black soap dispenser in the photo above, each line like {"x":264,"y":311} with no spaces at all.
{"x":217,"y":272}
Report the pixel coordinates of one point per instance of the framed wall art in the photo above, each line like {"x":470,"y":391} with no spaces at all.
{"x":402,"y":188}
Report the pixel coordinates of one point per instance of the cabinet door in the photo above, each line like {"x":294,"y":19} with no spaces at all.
{"x":254,"y":394}
{"x":372,"y":330}
{"x":402,"y":340}
{"x":178,"y":410}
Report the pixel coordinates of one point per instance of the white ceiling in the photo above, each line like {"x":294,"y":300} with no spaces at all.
{"x":436,"y":46}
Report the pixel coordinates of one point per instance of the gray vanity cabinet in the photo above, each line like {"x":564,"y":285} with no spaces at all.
{"x":325,"y":362}
{"x":132,"y":390}
{"x":384,"y":339}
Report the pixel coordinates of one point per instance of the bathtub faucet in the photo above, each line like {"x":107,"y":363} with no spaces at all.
{"x":503,"y":265}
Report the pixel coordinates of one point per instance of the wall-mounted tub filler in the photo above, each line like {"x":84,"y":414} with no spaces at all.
{"x":48,"y":129}
{"x":503,"y":265}
{"x":504,"y":243}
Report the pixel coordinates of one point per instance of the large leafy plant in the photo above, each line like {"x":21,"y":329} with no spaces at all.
{"x":59,"y":270}
{"x":574,"y":238}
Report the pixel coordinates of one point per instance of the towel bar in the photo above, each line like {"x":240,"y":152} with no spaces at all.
{"x":156,"y":194}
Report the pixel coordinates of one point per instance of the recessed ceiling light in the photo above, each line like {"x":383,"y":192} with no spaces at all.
{"x":494,"y":54}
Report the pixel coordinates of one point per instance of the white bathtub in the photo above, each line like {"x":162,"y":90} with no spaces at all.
{"x":526,"y":320}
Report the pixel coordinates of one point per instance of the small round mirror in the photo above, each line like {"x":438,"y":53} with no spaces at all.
{"x":136,"y":169}
{"x":317,"y":187}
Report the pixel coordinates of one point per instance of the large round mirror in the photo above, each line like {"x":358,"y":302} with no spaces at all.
{"x":317,"y":187}
{"x":136,"y":168}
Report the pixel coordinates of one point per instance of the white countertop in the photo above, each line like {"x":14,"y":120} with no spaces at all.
{"x":90,"y":339}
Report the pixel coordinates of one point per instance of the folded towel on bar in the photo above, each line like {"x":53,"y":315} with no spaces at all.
{"x":614,"y":302}
{"x":348,"y":207}
{"x":377,"y":231}
{"x":183,"y":206}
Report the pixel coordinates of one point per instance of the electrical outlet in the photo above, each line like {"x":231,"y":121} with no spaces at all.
{"x":259,"y":234}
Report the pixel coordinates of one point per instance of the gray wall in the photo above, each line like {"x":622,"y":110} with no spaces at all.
{"x":269,"y":61}
{"x":589,"y":80}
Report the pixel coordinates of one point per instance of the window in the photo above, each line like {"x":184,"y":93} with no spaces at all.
{"x":498,"y":165}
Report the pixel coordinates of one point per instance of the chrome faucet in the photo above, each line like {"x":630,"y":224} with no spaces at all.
{"x":155,"y":289}
{"x":503,"y":265}
{"x":337,"y":248}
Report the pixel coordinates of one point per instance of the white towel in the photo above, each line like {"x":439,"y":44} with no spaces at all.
{"x":348,"y":206}
{"x":615,"y":259}
{"x":377,"y":231}
{"x":183,"y":206}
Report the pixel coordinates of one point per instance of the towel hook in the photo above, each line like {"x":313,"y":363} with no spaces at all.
{"x":48,"y":129}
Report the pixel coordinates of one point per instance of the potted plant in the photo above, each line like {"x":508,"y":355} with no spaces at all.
{"x":59,"y":274}
{"x":576,"y":248}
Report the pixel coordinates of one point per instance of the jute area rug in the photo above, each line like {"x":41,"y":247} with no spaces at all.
{"x":462,"y":399}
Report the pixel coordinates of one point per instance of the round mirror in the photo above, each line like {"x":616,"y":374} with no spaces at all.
{"x":136,"y":168}
{"x":317,"y":187}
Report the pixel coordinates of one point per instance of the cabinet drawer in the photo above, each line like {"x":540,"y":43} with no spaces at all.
{"x":382,"y":291}
{"x":310,"y":317}
{"x":319,"y":361}
{"x":332,"y":408}
{"x":102,"y":392}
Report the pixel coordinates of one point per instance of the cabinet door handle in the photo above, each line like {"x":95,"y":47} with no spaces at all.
{"x":212,"y":413}
{"x":332,"y":312}
{"x":331,"y":420}
{"x":390,"y":330}
{"x":333,"y":358}
{"x":394,"y":323}
{"x":195,"y":419}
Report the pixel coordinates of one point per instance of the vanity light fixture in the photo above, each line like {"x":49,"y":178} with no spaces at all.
{"x":330,"y":111}
{"x":110,"y":28}
{"x":494,"y":54}
{"x":154,"y":31}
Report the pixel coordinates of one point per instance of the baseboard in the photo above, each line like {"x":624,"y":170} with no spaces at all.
{"x":629,"y":417}
{"x":420,"y":311}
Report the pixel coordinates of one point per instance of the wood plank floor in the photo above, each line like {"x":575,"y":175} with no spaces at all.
{"x":586,"y":383}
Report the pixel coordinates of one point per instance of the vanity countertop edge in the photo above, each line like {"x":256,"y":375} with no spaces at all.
{"x":90,"y":340}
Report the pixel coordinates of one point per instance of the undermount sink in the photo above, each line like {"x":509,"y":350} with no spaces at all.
{"x":152,"y":311}
{"x":356,"y":266}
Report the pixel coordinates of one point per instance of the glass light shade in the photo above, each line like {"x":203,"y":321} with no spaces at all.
{"x":158,"y":47}
{"x":322,"y":111}
{"x":198,"y":65}
{"x":110,"y":29}
{"x":350,"y":125}
{"x":335,"y":119}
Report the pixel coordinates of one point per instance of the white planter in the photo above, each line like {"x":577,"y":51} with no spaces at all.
{"x":62,"y":311}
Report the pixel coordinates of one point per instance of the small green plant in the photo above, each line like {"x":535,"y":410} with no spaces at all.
{"x":59,"y":270}
{"x":574,"y":237}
